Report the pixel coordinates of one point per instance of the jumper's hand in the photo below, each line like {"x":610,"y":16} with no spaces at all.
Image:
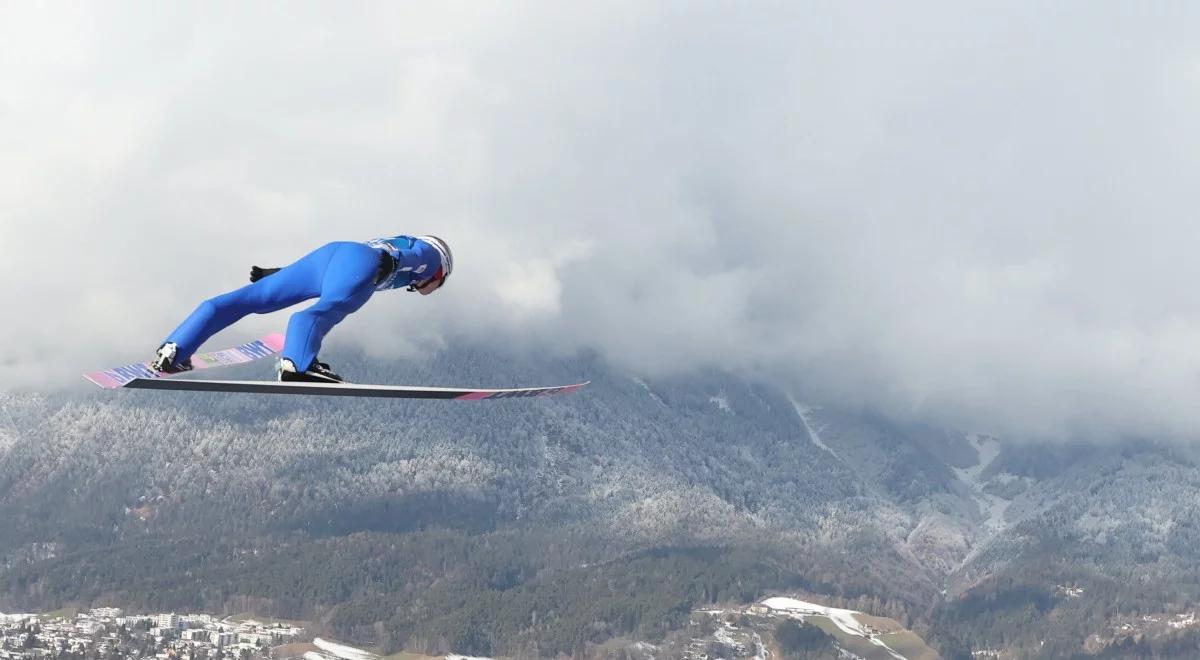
{"x":257,"y":273}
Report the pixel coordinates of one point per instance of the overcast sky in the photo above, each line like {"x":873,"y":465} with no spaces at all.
{"x":976,"y":213}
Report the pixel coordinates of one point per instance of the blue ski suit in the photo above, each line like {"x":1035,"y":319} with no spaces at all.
{"x":342,"y":276}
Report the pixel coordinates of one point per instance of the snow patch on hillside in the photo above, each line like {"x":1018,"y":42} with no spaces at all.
{"x":649,"y":391}
{"x":845,"y":620}
{"x":992,"y":507}
{"x":339,"y":651}
{"x":805,"y":414}
{"x":988,"y":449}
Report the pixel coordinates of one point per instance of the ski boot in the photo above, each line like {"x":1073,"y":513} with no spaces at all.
{"x":164,"y":360}
{"x":318,"y":372}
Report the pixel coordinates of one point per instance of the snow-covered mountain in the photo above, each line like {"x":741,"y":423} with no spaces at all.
{"x":917,"y":520}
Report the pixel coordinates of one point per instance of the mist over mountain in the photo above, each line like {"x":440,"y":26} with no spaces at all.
{"x":441,"y":526}
{"x":956,"y":213}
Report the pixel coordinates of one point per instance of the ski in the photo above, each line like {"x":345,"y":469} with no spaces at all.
{"x":350,"y":389}
{"x":266,"y":346}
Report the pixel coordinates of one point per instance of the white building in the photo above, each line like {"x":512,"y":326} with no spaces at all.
{"x":285,"y":634}
{"x":167,"y":620}
{"x":254,"y":638}
{"x":131,"y":621}
{"x":198,"y":620}
{"x":160,"y":634}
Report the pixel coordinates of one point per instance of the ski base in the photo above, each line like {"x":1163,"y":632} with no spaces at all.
{"x":350,"y":389}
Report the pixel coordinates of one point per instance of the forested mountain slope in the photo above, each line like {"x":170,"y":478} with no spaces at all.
{"x":444,"y":525}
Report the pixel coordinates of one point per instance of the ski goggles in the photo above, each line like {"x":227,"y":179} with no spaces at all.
{"x":430,"y":285}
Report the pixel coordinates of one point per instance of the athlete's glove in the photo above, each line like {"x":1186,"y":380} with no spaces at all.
{"x":257,"y":273}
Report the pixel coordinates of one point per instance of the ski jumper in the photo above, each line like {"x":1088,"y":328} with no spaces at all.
{"x":342,"y":276}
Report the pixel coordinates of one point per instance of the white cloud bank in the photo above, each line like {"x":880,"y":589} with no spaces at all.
{"x":968,"y":212}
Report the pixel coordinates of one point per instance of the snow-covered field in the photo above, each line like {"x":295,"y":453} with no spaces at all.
{"x":338,"y":651}
{"x":845,"y":620}
{"x":335,"y":651}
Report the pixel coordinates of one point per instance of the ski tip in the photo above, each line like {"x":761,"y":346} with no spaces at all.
{"x":576,"y":387}
{"x":480,"y":395}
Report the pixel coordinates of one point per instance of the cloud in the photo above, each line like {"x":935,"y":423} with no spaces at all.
{"x":967,"y":213}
